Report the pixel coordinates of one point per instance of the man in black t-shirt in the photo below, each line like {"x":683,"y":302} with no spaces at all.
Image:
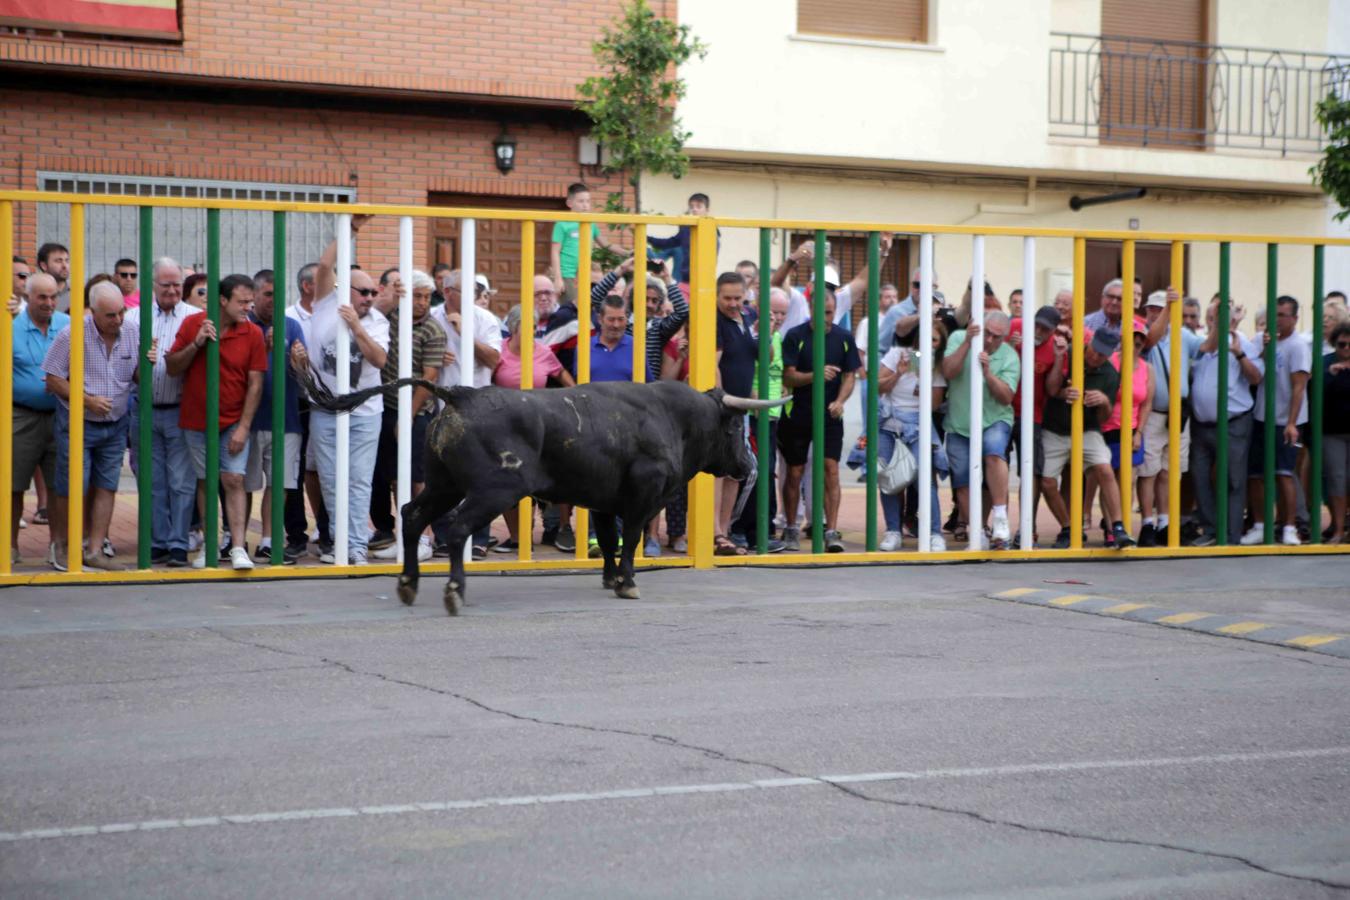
{"x":737,"y":351}
{"x":794,"y":430}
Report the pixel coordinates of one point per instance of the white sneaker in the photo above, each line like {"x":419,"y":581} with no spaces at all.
{"x":937,"y":544}
{"x":424,"y":549}
{"x":23,"y":523}
{"x":357,"y":558}
{"x":1289,"y":536}
{"x":890,"y":541}
{"x":239,"y":559}
{"x":200,"y":561}
{"x":390,"y":552}
{"x":195,"y":541}
{"x":327,"y":558}
{"x":1001,"y":531}
{"x":56,"y":556}
{"x":1255,"y":535}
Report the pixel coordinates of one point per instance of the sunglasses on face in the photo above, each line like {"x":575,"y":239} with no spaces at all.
{"x":22,"y":276}
{"x":1343,"y":345}
{"x":126,"y":274}
{"x":367,"y":292}
{"x":199,"y":292}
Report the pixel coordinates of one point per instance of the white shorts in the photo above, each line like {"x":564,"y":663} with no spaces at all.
{"x":1155,"y":446}
{"x":1058,"y":448}
{"x":259,"y":472}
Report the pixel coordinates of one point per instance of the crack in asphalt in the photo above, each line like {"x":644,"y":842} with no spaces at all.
{"x":720,"y":756}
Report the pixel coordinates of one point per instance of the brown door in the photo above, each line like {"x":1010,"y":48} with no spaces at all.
{"x":497,"y":254}
{"x":1154,"y":68}
{"x":849,"y":249}
{"x":1152,"y":266}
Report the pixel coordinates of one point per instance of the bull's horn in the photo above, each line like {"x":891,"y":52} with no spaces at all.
{"x":747,"y":403}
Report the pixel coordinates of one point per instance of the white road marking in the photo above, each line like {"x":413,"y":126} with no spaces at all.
{"x":296,"y":815}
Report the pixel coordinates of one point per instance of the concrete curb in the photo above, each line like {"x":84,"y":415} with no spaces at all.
{"x":1291,"y":636}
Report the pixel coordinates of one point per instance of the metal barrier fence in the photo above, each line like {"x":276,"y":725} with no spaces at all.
{"x":702,"y":376}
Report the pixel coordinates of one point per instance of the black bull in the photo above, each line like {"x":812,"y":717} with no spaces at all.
{"x":618,"y":449}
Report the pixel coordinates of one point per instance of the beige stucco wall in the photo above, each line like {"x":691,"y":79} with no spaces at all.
{"x":791,"y":196}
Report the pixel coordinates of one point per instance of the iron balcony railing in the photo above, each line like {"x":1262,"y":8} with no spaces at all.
{"x":1136,"y":91}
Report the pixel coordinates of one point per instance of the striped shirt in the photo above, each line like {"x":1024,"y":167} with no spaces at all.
{"x":107,"y":373}
{"x":428,"y":350}
{"x":167,"y":389}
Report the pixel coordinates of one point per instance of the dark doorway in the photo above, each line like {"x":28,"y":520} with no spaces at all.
{"x":1152,"y":266}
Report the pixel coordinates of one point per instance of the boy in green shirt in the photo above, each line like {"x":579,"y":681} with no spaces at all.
{"x":566,"y":249}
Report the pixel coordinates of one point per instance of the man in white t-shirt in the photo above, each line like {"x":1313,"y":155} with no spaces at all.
{"x":369,"y":336}
{"x":799,"y":307}
{"x":1293,"y":362}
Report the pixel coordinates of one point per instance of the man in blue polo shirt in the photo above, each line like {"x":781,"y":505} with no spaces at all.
{"x":612,"y":346}
{"x":34,"y":409}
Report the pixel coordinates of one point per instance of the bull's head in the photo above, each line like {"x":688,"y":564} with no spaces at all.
{"x":731,"y":458}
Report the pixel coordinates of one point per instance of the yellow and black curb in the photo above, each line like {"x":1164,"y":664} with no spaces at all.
{"x":1295,"y":636}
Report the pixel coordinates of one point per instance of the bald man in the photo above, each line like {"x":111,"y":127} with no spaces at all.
{"x":111,"y":351}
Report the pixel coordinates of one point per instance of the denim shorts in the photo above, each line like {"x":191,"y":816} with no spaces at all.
{"x":996,"y":439}
{"x":234,"y":463}
{"x":105,"y":444}
{"x":1286,"y":455}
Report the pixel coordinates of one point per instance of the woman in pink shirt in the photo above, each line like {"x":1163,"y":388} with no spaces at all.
{"x":546,"y":365}
{"x":1142,"y":400}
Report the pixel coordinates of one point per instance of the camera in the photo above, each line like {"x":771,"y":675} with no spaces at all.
{"x":655,"y":265}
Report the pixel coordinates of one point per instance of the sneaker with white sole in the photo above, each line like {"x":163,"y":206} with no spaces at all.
{"x":1001,"y":532}
{"x":1289,"y":536}
{"x":937,"y":544}
{"x":390,"y":552}
{"x":424,"y":549}
{"x":890,"y":541}
{"x":239,"y":559}
{"x":1255,"y":535}
{"x":56,"y":556}
{"x":195,"y":541}
{"x":327,"y":557}
{"x":199,"y":561}
{"x":357,"y":558}
{"x":108,"y":549}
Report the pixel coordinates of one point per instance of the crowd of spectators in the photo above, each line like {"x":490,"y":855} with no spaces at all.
{"x":657,"y":277}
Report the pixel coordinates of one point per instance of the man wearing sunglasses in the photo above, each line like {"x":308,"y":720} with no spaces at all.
{"x":125,"y":273}
{"x":19,"y":291}
{"x":369,"y":336}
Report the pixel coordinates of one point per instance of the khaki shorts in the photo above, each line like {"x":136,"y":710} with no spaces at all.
{"x":1058,"y":448}
{"x":1155,"y":446}
{"x":34,"y":446}
{"x":258,"y":475}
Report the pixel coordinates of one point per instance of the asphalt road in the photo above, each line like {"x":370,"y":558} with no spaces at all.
{"x":882,"y":731}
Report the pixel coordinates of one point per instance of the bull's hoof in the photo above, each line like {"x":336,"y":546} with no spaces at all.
{"x":627,"y":592}
{"x":454,"y":602}
{"x":407,"y":590}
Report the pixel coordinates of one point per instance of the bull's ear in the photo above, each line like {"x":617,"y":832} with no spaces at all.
{"x":716,"y":395}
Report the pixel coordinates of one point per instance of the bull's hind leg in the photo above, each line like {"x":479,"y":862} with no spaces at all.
{"x":418,"y":515}
{"x":607,"y":536}
{"x":472,"y":514}
{"x":634,"y":530}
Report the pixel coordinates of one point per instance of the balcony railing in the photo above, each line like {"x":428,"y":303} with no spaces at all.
{"x":1143,"y":92}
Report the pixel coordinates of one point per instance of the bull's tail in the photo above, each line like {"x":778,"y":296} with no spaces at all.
{"x":320,"y":396}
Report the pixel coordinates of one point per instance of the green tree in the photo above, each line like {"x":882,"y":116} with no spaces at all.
{"x":631,"y":105}
{"x":1332,"y":172}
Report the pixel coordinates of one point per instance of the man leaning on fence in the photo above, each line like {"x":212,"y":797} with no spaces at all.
{"x":111,"y":351}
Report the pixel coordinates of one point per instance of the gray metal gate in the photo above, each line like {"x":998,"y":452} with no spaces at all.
{"x":113,"y":232}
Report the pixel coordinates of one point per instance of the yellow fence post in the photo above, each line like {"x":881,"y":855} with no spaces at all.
{"x":1127,"y":313}
{"x":583,"y":300}
{"x":703,"y":376}
{"x":1076,"y":411}
{"x":525,"y":523}
{"x":6,"y":391}
{"x":1174,"y":377}
{"x":638,"y":280}
{"x":75,"y":471}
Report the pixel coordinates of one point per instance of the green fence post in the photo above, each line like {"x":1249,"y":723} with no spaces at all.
{"x":819,"y":329}
{"x":873,"y":366}
{"x":211,"y":504}
{"x":764,"y":484}
{"x":1268,"y":438}
{"x":1315,"y":400}
{"x":279,"y":282}
{"x":145,"y":390}
{"x":1223,"y":348}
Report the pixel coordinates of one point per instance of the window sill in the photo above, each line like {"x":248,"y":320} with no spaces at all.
{"x":865,"y":42}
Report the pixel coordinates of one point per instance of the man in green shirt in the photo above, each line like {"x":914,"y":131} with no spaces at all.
{"x":744,"y":528}
{"x":999,"y":369}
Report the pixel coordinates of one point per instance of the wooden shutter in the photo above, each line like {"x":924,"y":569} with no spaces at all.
{"x":881,"y":20}
{"x":1154,"y":72}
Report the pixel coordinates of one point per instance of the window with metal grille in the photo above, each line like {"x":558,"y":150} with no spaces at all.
{"x":113,"y":232}
{"x":903,"y":21}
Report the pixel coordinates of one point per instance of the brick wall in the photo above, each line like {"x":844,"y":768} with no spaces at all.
{"x":395,"y":158}
{"x":539,"y":49}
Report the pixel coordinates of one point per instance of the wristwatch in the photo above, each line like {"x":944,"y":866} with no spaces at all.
{"x":1240,"y":356}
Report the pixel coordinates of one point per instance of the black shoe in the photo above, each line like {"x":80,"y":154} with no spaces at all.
{"x":1062,"y":542}
{"x":1121,"y":538}
{"x":549,"y":536}
{"x":178,"y":559}
{"x":381,"y":539}
{"x":479,"y":552}
{"x":441,"y":549}
{"x":298,"y":548}
{"x":952,"y":521}
{"x":159,"y":555}
{"x":325,"y":547}
{"x":1203,"y":539}
{"x":1189,"y":532}
{"x":289,"y":557}
{"x":1148,"y":535}
{"x":506,"y":546}
{"x":492,"y":542}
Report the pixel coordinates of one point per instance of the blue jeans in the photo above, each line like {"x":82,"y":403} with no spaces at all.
{"x":172,"y":485}
{"x":995,"y":443}
{"x":890,"y":503}
{"x":362,"y":444}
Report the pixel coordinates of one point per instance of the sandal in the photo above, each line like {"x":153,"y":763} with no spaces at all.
{"x":41,"y":517}
{"x":723,"y":546}
{"x":960,"y":534}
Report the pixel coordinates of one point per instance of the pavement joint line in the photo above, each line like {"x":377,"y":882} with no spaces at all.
{"x":303,"y":815}
{"x":1301,"y":637}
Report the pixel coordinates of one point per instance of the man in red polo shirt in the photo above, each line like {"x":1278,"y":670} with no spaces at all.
{"x":243,"y":360}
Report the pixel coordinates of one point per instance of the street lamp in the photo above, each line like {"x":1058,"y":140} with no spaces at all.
{"x":504,"y":149}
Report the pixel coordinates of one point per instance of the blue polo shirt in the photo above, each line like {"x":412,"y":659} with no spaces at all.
{"x":612,"y":365}
{"x":30,"y":349}
{"x":262,"y":420}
